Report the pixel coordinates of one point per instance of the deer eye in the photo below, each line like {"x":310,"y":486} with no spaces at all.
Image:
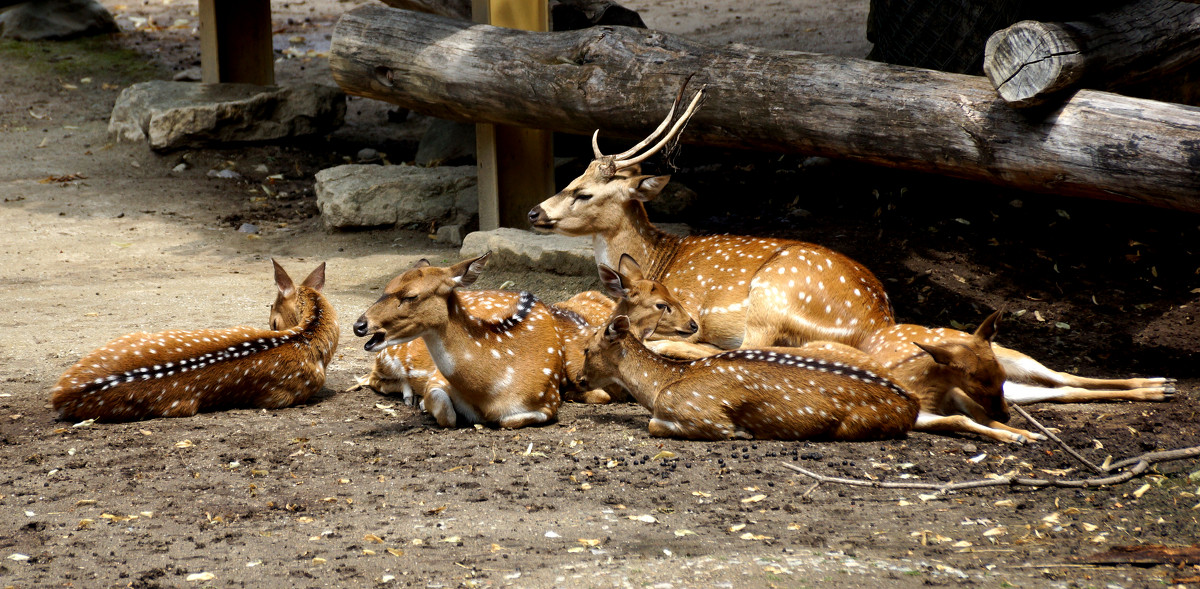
{"x":404,"y":300}
{"x":662,"y":307}
{"x":583,"y":196}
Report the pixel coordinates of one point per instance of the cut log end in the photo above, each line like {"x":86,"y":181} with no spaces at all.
{"x":1030,"y":61}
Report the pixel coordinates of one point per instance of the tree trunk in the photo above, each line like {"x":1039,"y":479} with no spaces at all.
{"x":1138,"y":42}
{"x":565,"y":15}
{"x":622,"y":80}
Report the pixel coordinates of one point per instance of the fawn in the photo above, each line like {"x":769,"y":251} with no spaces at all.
{"x":408,"y":368}
{"x":835,"y":393}
{"x":180,"y":373}
{"x":752,"y":292}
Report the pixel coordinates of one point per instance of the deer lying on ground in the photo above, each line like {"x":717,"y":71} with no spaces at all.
{"x":409,"y":369}
{"x":180,"y":373}
{"x":501,"y":357}
{"x":835,"y":393}
{"x":749,"y":292}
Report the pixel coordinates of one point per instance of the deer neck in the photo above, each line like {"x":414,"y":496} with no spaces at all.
{"x":644,"y":373}
{"x":649,"y":246}
{"x":464,"y":336}
{"x":318,"y":326}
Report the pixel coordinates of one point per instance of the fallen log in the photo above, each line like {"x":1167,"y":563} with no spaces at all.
{"x":1138,"y":42}
{"x":621,"y":80}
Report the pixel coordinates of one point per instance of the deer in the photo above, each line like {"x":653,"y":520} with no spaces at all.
{"x":180,"y":373}
{"x":751,"y":292}
{"x":502,"y":357}
{"x":409,"y":369}
{"x":834,"y":393}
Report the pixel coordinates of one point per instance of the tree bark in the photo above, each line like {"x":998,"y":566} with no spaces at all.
{"x":565,"y":15}
{"x":1031,"y":61}
{"x":622,"y":80}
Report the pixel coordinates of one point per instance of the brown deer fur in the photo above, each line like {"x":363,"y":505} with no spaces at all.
{"x":179,"y":373}
{"x":837,"y":393}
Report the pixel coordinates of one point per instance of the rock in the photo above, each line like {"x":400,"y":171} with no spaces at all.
{"x":56,"y":19}
{"x":447,"y":143}
{"x":517,"y":248}
{"x":367,"y":155}
{"x":451,"y":234}
{"x":355,"y":195}
{"x":171,"y":115}
{"x":192,"y":74}
{"x":224,"y":174}
{"x":248,"y":228}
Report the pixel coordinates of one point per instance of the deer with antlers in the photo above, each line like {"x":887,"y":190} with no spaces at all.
{"x":834,"y":392}
{"x":180,"y":373}
{"x":409,"y":369}
{"x":502,"y":357}
{"x":749,"y":292}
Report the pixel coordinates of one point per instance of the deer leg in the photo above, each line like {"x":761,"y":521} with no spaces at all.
{"x":1024,"y":394}
{"x":524,"y":418}
{"x":682,"y":350}
{"x":437,"y":402}
{"x":967,"y":406}
{"x":1022,"y":369}
{"x":928,"y":422}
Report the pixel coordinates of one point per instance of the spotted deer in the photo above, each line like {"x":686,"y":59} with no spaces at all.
{"x":837,"y":393}
{"x":749,"y":292}
{"x":409,"y":369}
{"x":180,"y":373}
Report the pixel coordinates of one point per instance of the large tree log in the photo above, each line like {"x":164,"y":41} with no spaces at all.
{"x":1137,"y":42}
{"x":621,"y":80}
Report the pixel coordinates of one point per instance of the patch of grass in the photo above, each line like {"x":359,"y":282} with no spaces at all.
{"x":97,"y":57}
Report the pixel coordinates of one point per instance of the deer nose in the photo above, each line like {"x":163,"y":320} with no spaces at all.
{"x":360,"y":326}
{"x":534,"y":213}
{"x":693,"y":326}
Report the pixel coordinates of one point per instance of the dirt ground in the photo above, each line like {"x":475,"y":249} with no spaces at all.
{"x":355,"y":489}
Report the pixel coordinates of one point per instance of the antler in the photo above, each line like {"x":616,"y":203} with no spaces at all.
{"x":617,"y":161}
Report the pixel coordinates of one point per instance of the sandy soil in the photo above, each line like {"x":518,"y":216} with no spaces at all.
{"x":354,"y":489}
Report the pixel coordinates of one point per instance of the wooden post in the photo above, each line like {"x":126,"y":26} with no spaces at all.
{"x":516,"y":165}
{"x":235,"y":42}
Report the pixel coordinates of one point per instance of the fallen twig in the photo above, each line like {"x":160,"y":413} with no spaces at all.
{"x":1139,"y":465}
{"x":1050,"y":434}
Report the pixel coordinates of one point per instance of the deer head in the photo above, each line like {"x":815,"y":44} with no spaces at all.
{"x":415,"y":302}
{"x":286,"y":310}
{"x":595,"y":201}
{"x":971,"y":366}
{"x":604,"y":351}
{"x":646,"y":302}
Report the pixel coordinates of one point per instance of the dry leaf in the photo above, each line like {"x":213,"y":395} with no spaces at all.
{"x":643,"y":518}
{"x":1141,"y":490}
{"x":18,"y":556}
{"x":682,"y":533}
{"x":85,"y":502}
{"x":701,"y":494}
{"x":754,"y":499}
{"x":996,"y":531}
{"x":961,"y":544}
{"x":663,"y":455}
{"x":451,"y":540}
{"x":201,"y":577}
{"x":1089,"y":527}
{"x":1005,"y":503}
{"x":590,"y":542}
{"x":737,"y":528}
{"x":373,"y":538}
{"x":395,"y":552}
{"x":84,"y":523}
{"x":752,"y":536}
{"x":319,"y":560}
{"x":576,"y":549}
{"x":184,"y":444}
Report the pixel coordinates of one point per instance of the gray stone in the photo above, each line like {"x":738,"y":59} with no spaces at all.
{"x":451,"y":234}
{"x":56,"y":19}
{"x":517,"y":248}
{"x":172,"y":115}
{"x":447,"y":143}
{"x":355,"y":195}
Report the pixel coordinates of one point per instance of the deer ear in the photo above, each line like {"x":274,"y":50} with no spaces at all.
{"x":649,"y":331}
{"x":630,"y":268}
{"x":466,"y":273}
{"x":616,"y":328}
{"x":422,"y":263}
{"x":613,"y":281}
{"x":940,"y":355}
{"x":987,"y":329}
{"x":316,"y":278}
{"x":647,"y":187}
{"x":282,"y":280}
